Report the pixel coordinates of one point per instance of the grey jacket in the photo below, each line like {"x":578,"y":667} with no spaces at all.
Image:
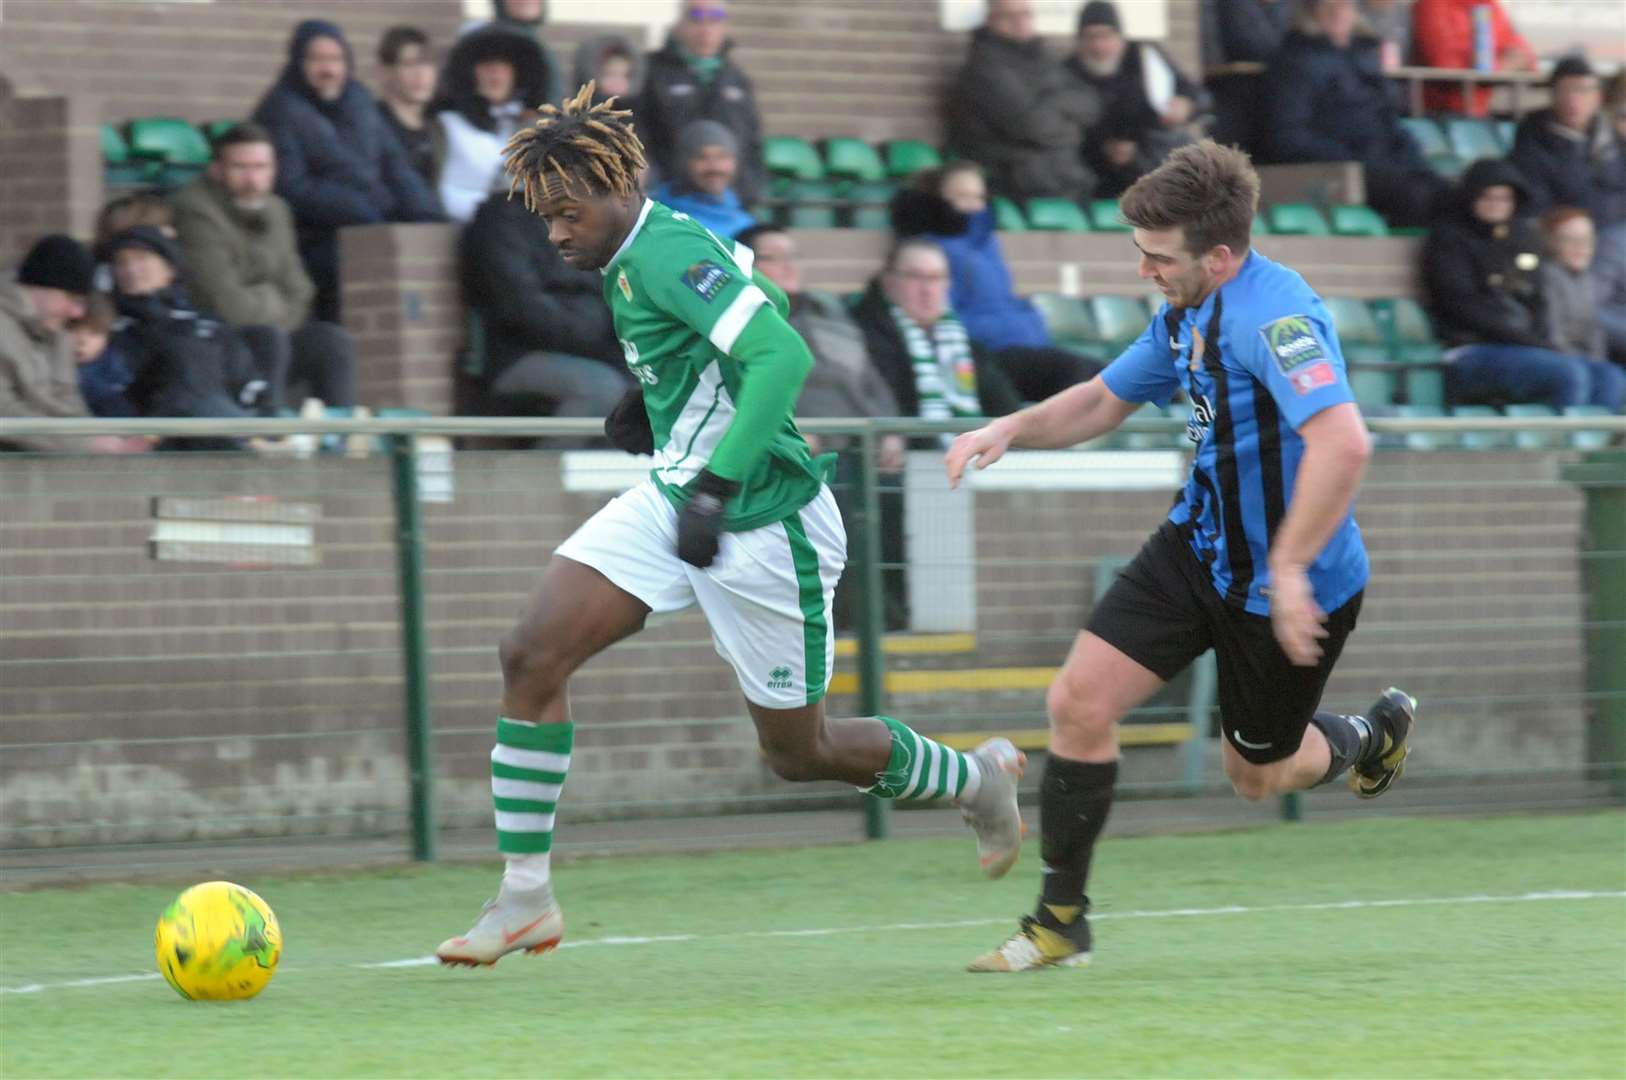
{"x":1572,"y":314}
{"x":38,"y":375}
{"x":242,"y":265}
{"x":843,"y":381}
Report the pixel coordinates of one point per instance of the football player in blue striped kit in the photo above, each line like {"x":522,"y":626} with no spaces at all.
{"x":1259,"y":559}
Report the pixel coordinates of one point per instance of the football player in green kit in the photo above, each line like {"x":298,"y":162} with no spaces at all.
{"x":735,"y":516}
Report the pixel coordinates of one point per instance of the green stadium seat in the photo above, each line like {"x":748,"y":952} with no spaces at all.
{"x":1424,"y":385}
{"x":1473,"y":139}
{"x":1447,"y":165}
{"x":1430,"y":139}
{"x":810,"y":216}
{"x":1008,"y":216}
{"x":1359,"y":336}
{"x":1118,"y":320}
{"x":1069,"y":320}
{"x":1296,"y":219}
{"x":214,"y":129}
{"x":1505,"y":130}
{"x":1058,"y":215}
{"x":115,"y":151}
{"x":1374,"y":385}
{"x":1480,"y":440}
{"x":868,"y":204}
{"x":1147,"y":440}
{"x":166,"y":139}
{"x":852,"y":159}
{"x":905,"y":157}
{"x":1534,"y":440}
{"x":1356,"y":221}
{"x":1261,"y":227}
{"x":1411,"y":336}
{"x":792,"y":158}
{"x":1104,"y":217}
{"x":1423,"y":440}
{"x":812,"y":204}
{"x":118,"y":168}
{"x":1588,"y":440}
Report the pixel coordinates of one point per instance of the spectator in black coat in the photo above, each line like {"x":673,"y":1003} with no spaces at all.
{"x":404,"y":93}
{"x":1330,"y":102}
{"x":1148,"y":106}
{"x":550,"y":345}
{"x":338,"y":162}
{"x":692,"y":78}
{"x":492,"y":83}
{"x":1235,"y":32}
{"x":1020,"y":113}
{"x":1570,"y":154}
{"x":1482,"y":272}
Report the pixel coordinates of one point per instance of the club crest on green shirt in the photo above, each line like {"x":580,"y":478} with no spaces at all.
{"x":706,"y":279}
{"x":625,"y":285}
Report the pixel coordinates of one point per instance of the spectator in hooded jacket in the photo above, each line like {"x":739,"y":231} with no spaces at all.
{"x":612,"y":65}
{"x":550,"y":345}
{"x":692,"y":78}
{"x":1570,"y":153}
{"x":237,"y":236}
{"x":527,"y":18}
{"x":1330,"y":102}
{"x":338,"y":162}
{"x":491,"y":86}
{"x":1020,"y":113}
{"x":1241,"y":31}
{"x":1443,"y":37}
{"x":704,"y":189}
{"x":1482,"y":272}
{"x":950,"y":206}
{"x":406,"y":88}
{"x":1148,"y":106}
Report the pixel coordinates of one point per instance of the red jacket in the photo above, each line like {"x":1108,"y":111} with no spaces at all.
{"x":1443,"y":37}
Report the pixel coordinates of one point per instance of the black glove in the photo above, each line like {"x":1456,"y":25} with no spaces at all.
{"x":700,"y":522}
{"x":628,"y":424}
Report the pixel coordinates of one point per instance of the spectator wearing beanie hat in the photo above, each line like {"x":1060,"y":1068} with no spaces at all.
{"x":38,"y":375}
{"x":704,"y":190}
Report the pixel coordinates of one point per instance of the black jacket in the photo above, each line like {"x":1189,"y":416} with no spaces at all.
{"x":456,"y":91}
{"x":1332,"y":104}
{"x":1564,"y":168}
{"x":1483,"y":281}
{"x":1021,"y":115}
{"x":672,"y":97}
{"x":338,"y":162}
{"x":182,"y":362}
{"x":526,"y":295}
{"x":1126,"y":112}
{"x":890,"y":356}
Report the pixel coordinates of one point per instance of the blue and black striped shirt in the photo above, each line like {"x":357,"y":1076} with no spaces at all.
{"x":1257,"y":358}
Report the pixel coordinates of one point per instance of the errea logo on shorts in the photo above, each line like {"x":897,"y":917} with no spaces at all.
{"x":779,"y":678}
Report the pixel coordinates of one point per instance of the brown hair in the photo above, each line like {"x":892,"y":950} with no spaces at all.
{"x":99,"y":314}
{"x":244,"y":134}
{"x":584,"y":146}
{"x":1207,"y":190}
{"x":128,"y":211}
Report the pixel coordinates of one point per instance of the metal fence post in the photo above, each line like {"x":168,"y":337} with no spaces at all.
{"x":414,"y":643}
{"x":871,"y":614}
{"x":1601,"y":475}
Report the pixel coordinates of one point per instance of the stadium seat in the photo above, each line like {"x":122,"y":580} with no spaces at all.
{"x":812,"y":204}
{"x":905,"y":157}
{"x":1104,"y":217}
{"x":1359,"y":336}
{"x":1374,"y":385}
{"x":1261,"y":227}
{"x":1069,"y":321}
{"x":1472,"y":139}
{"x":1008,"y":216}
{"x":792,"y":158}
{"x":1411,"y":336}
{"x":1423,"y":440}
{"x":1118,"y":320}
{"x":1480,"y":440}
{"x":1356,"y":221}
{"x":852,"y":159}
{"x":117,"y":166}
{"x":166,"y":139}
{"x":1430,"y":139}
{"x":1059,"y":215}
{"x":1424,"y":385}
{"x":1447,"y":165}
{"x":868,"y":203}
{"x":1588,"y":440}
{"x":1296,"y":219}
{"x":1534,"y":440}
{"x":1505,"y":130}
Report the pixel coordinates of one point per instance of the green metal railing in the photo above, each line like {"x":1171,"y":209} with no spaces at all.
{"x":444,"y":631}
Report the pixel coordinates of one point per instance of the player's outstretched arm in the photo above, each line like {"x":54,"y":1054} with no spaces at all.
{"x":1075,"y":415}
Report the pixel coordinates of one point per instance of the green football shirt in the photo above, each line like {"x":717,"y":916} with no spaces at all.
{"x":680,"y":298}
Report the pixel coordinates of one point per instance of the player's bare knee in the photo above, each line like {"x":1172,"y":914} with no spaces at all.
{"x":798,"y":762}
{"x":529,"y":666}
{"x":1076,"y":710}
{"x":1251,"y":782}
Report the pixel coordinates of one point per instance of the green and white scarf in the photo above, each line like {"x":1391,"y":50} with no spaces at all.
{"x":945,"y":372}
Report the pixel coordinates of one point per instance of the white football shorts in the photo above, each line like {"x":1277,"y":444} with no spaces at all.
{"x":767,"y":596}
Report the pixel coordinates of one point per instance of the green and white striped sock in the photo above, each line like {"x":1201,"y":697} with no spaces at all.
{"x":923,"y":769}
{"x":528,"y":767}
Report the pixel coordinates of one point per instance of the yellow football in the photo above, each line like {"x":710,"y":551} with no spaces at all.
{"x":218,"y":942}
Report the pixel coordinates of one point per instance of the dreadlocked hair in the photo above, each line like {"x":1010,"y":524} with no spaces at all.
{"x":588,"y":148}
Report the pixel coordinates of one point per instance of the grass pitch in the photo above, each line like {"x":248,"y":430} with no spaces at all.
{"x":1379,"y":948}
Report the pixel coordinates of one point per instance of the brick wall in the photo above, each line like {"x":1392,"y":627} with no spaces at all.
{"x":148,"y":700}
{"x":50,"y":170}
{"x":399,"y":298}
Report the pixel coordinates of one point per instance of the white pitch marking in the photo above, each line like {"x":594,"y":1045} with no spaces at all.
{"x":1165,"y":913}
